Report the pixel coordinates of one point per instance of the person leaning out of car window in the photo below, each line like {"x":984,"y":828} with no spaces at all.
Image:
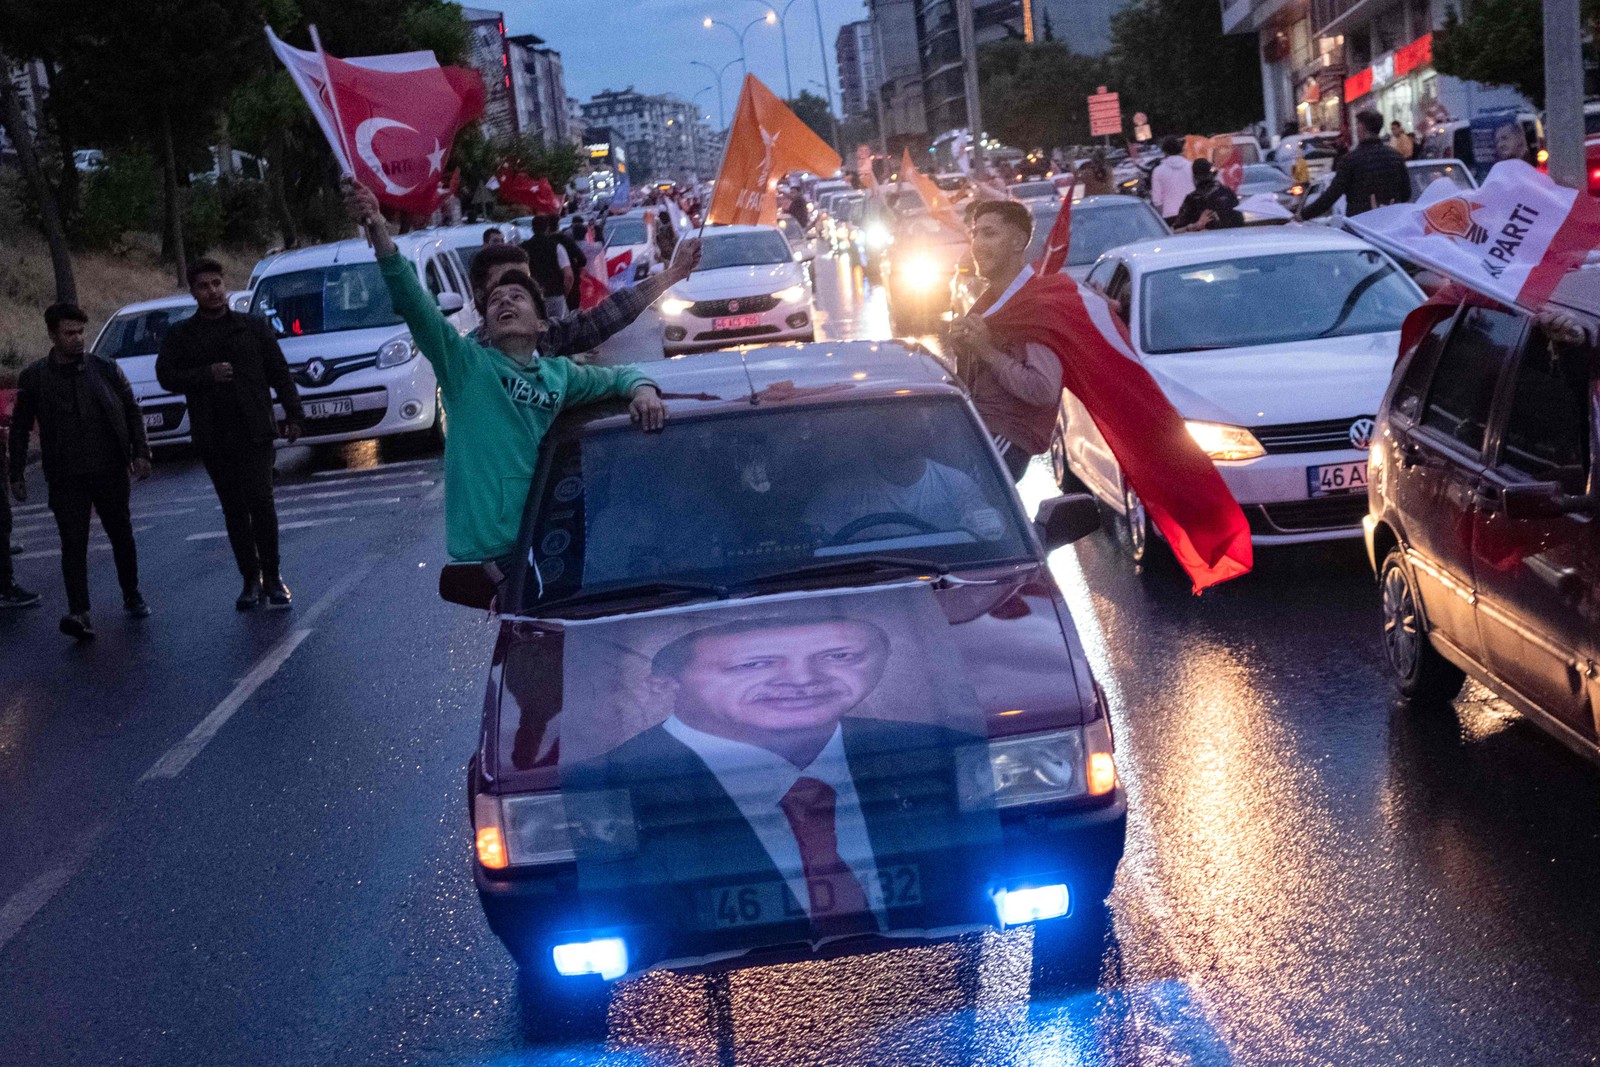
{"x":1015,"y":389}
{"x":91,"y":439}
{"x":502,"y":391}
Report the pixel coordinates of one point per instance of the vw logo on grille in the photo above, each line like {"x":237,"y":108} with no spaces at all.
{"x":316,"y":370}
{"x":1361,"y":433}
{"x":733,"y":305}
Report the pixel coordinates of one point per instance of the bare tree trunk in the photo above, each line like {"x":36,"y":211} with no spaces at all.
{"x":169,"y":189}
{"x":280,"y":202}
{"x":55,"y":235}
{"x":68,"y":198}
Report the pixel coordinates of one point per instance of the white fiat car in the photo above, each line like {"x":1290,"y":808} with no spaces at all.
{"x":748,"y":288}
{"x":358,"y":374}
{"x":1275,"y":345}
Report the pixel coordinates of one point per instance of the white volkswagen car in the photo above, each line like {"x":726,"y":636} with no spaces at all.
{"x":1275,"y":345}
{"x":132,"y":338}
{"x":748,"y":288}
{"x":358,"y":373}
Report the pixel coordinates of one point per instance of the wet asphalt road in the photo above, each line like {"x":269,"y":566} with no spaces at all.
{"x":1314,"y":876}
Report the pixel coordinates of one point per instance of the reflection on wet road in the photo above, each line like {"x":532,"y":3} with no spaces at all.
{"x":1313,"y":875}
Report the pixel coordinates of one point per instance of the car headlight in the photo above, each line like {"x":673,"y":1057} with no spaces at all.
{"x":920,"y":272}
{"x":546,"y":828}
{"x":1222,"y":442}
{"x":1036,"y":769}
{"x":675,"y":306}
{"x":792,"y":295}
{"x":879,"y":236}
{"x":396,"y":352}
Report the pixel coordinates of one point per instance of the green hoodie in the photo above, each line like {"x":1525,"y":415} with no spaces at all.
{"x":499,"y":412}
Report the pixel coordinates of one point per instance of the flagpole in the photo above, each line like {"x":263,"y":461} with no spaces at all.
{"x":333,"y":103}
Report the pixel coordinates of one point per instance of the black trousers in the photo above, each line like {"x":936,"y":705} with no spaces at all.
{"x":7,"y":575}
{"x":71,"y":501}
{"x":241,"y":472}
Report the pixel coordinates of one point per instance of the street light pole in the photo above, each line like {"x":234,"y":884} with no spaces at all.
{"x":969,"y":73}
{"x":1563,"y":92}
{"x":827,"y":82}
{"x":770,"y":18}
{"x":722,"y":115}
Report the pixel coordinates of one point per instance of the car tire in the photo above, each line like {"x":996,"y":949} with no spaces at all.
{"x":1134,"y":534}
{"x":1066,"y":481}
{"x":1421,"y":674}
{"x":553,"y":1009}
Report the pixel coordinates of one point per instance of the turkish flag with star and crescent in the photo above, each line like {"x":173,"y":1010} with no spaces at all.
{"x":398,"y":127}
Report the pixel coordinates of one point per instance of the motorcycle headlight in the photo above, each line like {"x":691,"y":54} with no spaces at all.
{"x":792,"y":295}
{"x":675,"y":305}
{"x":920,"y":272}
{"x":396,"y":352}
{"x":1222,"y":442}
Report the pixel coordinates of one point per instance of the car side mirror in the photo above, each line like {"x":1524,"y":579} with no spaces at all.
{"x":1542,"y":500}
{"x":466,"y":584}
{"x":450,"y":303}
{"x":1062,"y":520}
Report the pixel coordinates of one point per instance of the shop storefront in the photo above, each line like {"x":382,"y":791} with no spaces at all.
{"x":1398,"y":85}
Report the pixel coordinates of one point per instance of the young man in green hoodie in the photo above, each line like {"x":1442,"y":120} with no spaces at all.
{"x":501,"y":392}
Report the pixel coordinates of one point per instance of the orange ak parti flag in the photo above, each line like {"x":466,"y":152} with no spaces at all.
{"x":766,"y":142}
{"x":938,"y":204}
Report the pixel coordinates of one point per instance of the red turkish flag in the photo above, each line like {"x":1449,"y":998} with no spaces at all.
{"x":1182,"y":492}
{"x":1054,"y":256}
{"x":397,"y":126}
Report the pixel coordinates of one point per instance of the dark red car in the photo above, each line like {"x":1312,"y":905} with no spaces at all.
{"x":790,"y":677}
{"x":1485,"y":521}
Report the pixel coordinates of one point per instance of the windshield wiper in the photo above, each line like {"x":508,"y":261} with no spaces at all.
{"x":631,"y":592}
{"x":853,"y":566}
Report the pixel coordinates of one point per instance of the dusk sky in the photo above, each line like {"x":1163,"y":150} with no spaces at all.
{"x":649,"y":43}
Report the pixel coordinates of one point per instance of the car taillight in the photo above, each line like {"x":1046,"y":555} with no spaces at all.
{"x":1594,"y":181}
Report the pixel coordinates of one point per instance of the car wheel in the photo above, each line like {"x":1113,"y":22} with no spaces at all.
{"x":1421,"y":674}
{"x":1066,"y":481}
{"x":556,"y":1009}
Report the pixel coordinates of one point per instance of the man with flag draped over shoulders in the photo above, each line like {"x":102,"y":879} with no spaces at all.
{"x":1039,"y":306}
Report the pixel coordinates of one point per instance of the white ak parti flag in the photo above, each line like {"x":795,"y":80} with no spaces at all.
{"x":1513,"y":239}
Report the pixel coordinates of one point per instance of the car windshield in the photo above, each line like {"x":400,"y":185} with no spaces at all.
{"x":1262,"y":300}
{"x":139,"y":333}
{"x":773,"y":491}
{"x":1095,"y":231}
{"x":1262,"y":175}
{"x":1422,"y":177}
{"x":625,"y":232}
{"x":1032,"y":189}
{"x":743,"y":250}
{"x":344,"y":296}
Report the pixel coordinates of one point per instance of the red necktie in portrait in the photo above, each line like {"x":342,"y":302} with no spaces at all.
{"x":838,"y":903}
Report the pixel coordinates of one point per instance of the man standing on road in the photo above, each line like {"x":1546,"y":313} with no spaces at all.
{"x":1211,"y":206}
{"x":1172,"y":180}
{"x":501,"y":389}
{"x":1016,"y":390}
{"x":550,"y":264}
{"x":1371,"y":174}
{"x":227,"y":365}
{"x":92,"y":438}
{"x":12,"y":595}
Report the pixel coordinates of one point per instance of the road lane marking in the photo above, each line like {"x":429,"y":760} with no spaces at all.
{"x":28,"y":901}
{"x":373,"y":472}
{"x":434,"y":494}
{"x":212,"y":535}
{"x":178,"y":756}
{"x":98,"y":543}
{"x":340,"y":506}
{"x":387,"y":487}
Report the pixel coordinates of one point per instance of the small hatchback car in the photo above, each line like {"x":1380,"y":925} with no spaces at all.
{"x":1485,"y":520}
{"x":791,"y":676}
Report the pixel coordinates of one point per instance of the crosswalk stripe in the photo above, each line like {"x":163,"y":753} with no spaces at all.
{"x":341,"y":505}
{"x":303,"y":524}
{"x":297,"y":494}
{"x":369,"y":470}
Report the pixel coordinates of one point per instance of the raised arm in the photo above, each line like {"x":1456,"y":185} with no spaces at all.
{"x":589,"y":329}
{"x":432,"y":333}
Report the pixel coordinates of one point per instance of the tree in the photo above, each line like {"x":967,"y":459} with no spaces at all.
{"x":1500,"y":42}
{"x":1036,"y":95}
{"x":1171,"y":60}
{"x":55,"y":233}
{"x":813,"y":110}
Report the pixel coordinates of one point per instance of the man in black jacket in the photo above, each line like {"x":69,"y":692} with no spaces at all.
{"x":224,"y":362}
{"x":1371,"y":174}
{"x":92,"y":438}
{"x":12,"y":595}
